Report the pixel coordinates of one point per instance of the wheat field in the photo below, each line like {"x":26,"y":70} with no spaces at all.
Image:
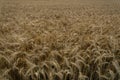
{"x":59,"y":40}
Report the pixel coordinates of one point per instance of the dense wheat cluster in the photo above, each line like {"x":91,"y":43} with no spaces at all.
{"x":60,"y":40}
